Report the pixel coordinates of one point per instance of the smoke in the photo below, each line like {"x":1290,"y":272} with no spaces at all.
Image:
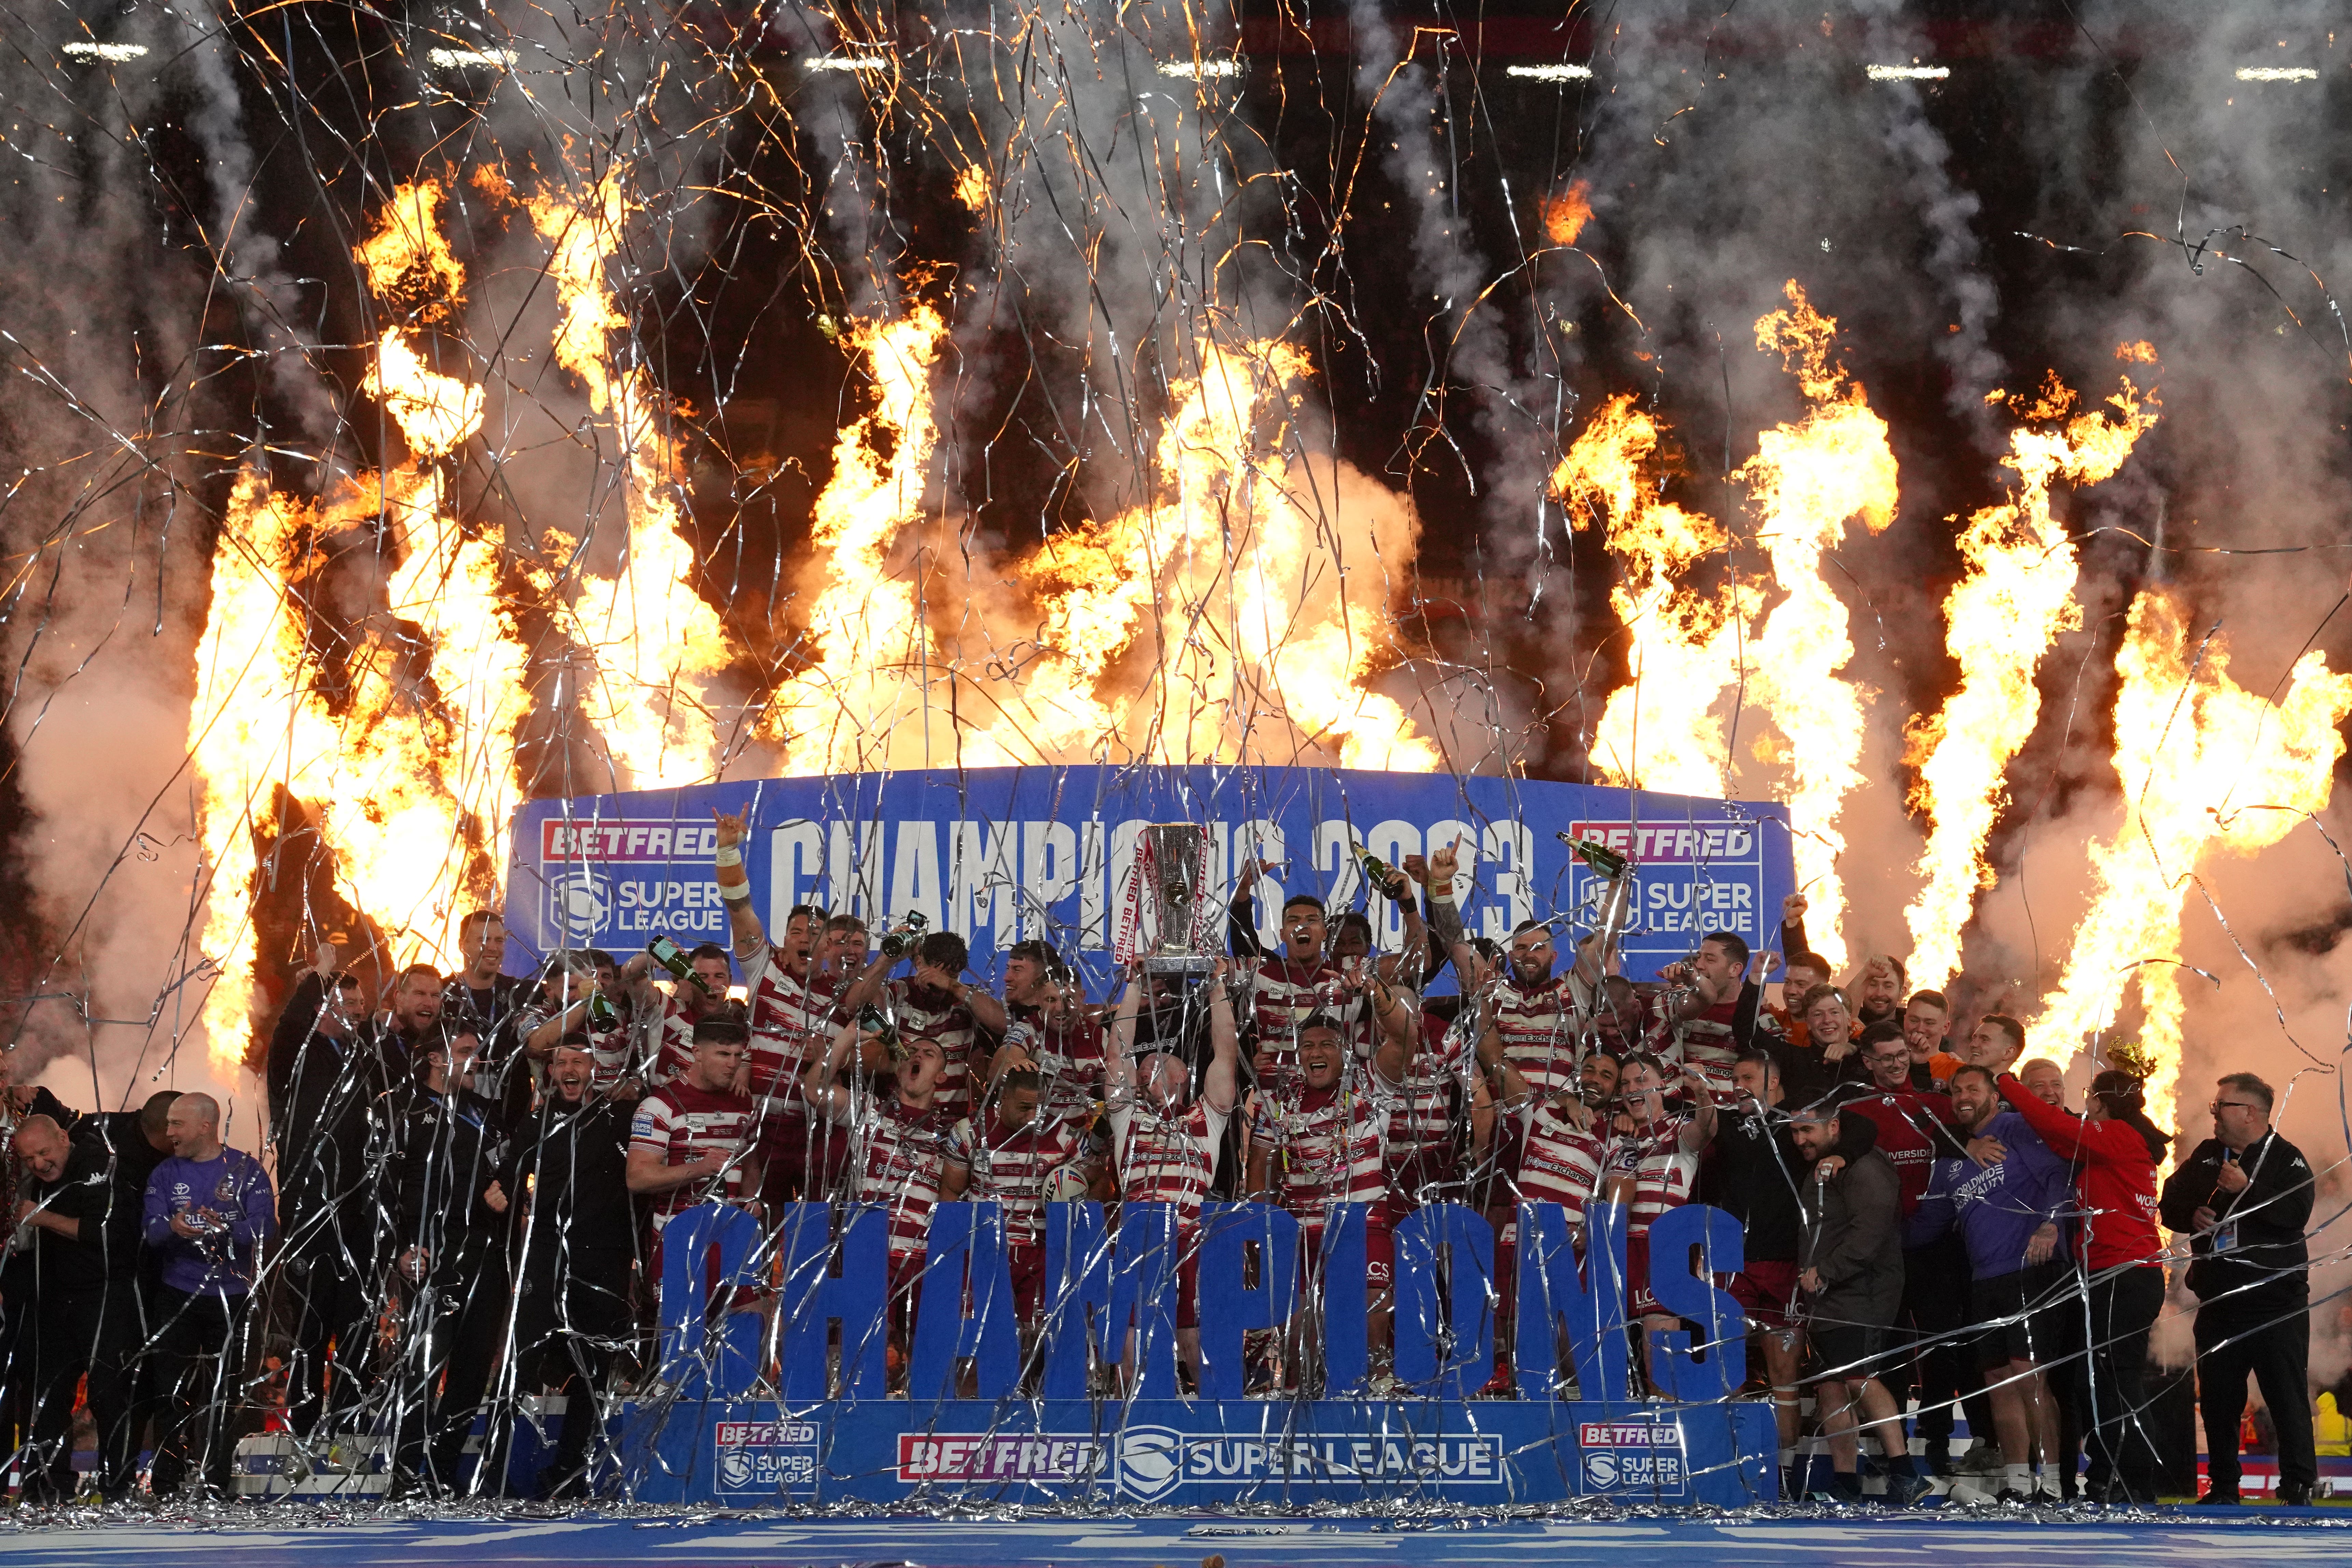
{"x":108,"y":528}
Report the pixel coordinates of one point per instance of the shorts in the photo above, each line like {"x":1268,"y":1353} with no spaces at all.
{"x":1764,"y":1289}
{"x":1026,"y":1262}
{"x":2020,"y":1316}
{"x":1848,"y":1351}
{"x":801,"y":1159}
{"x":1380,"y":1250}
{"x":1427,"y":1174}
{"x":1639,"y":1302}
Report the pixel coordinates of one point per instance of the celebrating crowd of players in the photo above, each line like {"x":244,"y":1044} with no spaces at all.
{"x":473,"y":1182}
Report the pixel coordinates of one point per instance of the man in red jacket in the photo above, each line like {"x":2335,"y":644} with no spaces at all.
{"x":2114,"y":1150}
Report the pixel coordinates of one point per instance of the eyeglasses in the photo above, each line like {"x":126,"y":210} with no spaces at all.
{"x":2219,"y":1106}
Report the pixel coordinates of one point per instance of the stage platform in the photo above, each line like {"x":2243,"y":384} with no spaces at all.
{"x":294,"y":1536}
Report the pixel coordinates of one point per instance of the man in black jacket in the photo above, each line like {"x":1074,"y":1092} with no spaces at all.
{"x":1754,"y":1171}
{"x":2246,"y":1193}
{"x":580,"y":1246}
{"x":328,"y":1076}
{"x":453,"y":1255}
{"x":61,"y":1211}
{"x":1853,"y":1283}
{"x":123,"y":1148}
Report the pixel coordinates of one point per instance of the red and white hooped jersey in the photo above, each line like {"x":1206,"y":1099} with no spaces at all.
{"x":1543,"y":1031}
{"x":1283,"y":995}
{"x":1167,"y":1156}
{"x":669,"y":1042}
{"x":949,"y":1023}
{"x":1327,"y":1146}
{"x":1560,"y":1162}
{"x":684,"y":1124}
{"x":1447,"y":1062}
{"x":1663,"y":1171}
{"x":792,"y":1018}
{"x":1071,"y":1060}
{"x":1012,"y":1169}
{"x":1706,"y":1044}
{"x":902,"y":1152}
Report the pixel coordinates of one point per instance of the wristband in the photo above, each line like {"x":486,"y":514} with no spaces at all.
{"x":737,"y":893}
{"x":728,"y":854}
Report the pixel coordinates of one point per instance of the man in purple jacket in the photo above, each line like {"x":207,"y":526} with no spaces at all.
{"x":2010,"y":1212}
{"x":208,"y":1210}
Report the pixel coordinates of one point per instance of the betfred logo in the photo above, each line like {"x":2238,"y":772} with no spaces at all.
{"x":625,"y":838}
{"x":1667,"y":843}
{"x":984,"y":1457}
{"x":1644,"y":1456}
{"x":1629,"y":1435}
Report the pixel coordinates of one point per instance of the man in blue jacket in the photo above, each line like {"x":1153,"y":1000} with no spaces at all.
{"x":2008,"y":1205}
{"x":209,"y":1209}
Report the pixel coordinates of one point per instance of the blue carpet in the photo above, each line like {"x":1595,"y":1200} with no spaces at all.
{"x":288,"y":1539}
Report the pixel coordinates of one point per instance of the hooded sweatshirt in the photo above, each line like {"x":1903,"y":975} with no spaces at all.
{"x":2115,"y":1176}
{"x":1997,"y":1208}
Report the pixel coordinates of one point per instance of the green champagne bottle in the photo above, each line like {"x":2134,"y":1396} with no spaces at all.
{"x":1604,"y":861}
{"x":906,"y":936}
{"x":672,"y":957}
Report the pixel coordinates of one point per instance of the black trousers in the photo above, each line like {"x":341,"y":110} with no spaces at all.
{"x":200,"y":1355}
{"x":1945,"y":1372}
{"x":571,"y":1316}
{"x":324,"y":1278}
{"x":2115,"y":1397}
{"x":458,"y":1327}
{"x":2271,"y":1338}
{"x":95,"y":1333}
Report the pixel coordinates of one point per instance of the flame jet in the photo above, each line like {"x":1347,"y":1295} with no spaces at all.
{"x":656,"y":645}
{"x":1806,"y":482}
{"x":406,"y":783}
{"x":2203,"y":761}
{"x":1999,"y":620}
{"x":1683,"y":644}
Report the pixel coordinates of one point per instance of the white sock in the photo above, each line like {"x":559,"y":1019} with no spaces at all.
{"x":2017,"y":1477}
{"x":1788,"y":1459}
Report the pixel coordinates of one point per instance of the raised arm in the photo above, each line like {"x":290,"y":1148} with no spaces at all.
{"x":735,"y":889}
{"x":1700,"y":1129}
{"x":1118,"y":1063}
{"x":1241,"y":915}
{"x":1221,"y":1085}
{"x":822,"y":1083}
{"x":1444,"y":917}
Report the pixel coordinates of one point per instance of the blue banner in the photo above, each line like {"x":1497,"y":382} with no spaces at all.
{"x":1186,"y":1453}
{"x":1006,"y":854}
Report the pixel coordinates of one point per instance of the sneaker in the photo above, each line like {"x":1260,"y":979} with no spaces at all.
{"x":1499,"y":1386}
{"x":2293,"y":1494}
{"x":2214,"y":1499}
{"x":1905,"y":1491}
{"x":2047,"y":1491}
{"x":2010,"y":1497}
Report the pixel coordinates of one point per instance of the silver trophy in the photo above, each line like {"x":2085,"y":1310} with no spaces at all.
{"x":1175,"y":851}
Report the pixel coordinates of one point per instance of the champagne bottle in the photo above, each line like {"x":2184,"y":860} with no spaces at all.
{"x":602,"y":1013}
{"x":1604,"y":860}
{"x":1376,"y":871}
{"x":672,"y":957}
{"x":871,"y":1019}
{"x":906,"y":936}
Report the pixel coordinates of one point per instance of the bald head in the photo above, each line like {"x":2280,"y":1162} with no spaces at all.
{"x":192,"y":1127}
{"x":41,"y":1144}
